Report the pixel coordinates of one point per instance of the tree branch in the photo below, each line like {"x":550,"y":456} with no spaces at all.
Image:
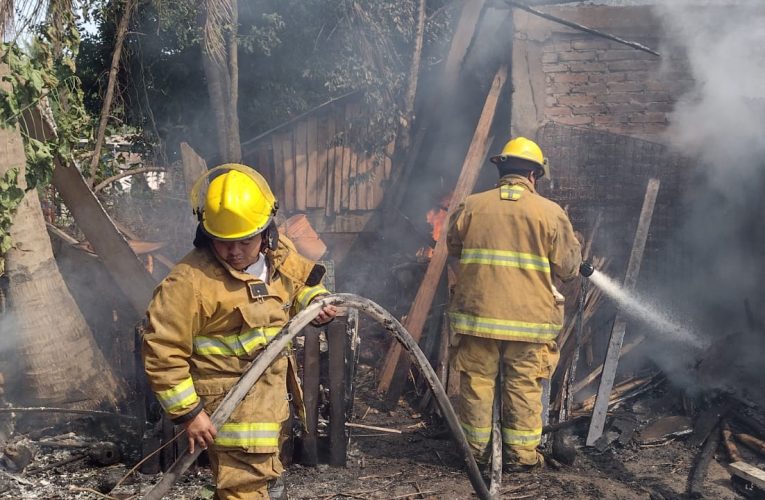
{"x":105,"y":108}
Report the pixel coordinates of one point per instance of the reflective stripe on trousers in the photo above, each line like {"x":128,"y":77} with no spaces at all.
{"x":517,"y":437}
{"x":512,"y":330}
{"x":249,"y":434}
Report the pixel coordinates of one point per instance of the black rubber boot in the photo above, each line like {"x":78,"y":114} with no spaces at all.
{"x":277,"y":490}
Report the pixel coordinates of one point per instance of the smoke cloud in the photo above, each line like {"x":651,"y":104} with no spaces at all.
{"x":720,"y":123}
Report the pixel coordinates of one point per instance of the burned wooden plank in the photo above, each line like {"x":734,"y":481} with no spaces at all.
{"x":288,"y":160}
{"x":752,"y":442}
{"x":312,"y":182}
{"x":620,"y":323}
{"x":311,"y":374}
{"x":700,"y":467}
{"x":337,"y":438}
{"x":265,"y":165}
{"x":194,"y":166}
{"x":278,"y":186}
{"x":322,"y":138}
{"x":301,"y":164}
{"x":362,"y":182}
{"x":729,"y":444}
{"x":748,"y":472}
{"x":418,"y":312}
{"x":665,"y":428}
{"x":706,"y":421}
{"x":339,"y":141}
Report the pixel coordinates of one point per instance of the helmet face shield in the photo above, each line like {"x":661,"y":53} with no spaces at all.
{"x":233,"y":202}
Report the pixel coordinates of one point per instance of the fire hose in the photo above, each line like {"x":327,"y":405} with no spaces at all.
{"x":275,"y":348}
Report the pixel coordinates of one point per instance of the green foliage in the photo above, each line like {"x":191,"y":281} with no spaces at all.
{"x":294,"y":55}
{"x":32,"y":78}
{"x":10,"y":197}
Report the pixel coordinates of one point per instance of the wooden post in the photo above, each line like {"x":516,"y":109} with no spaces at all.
{"x":193,"y":166}
{"x":418,"y":313}
{"x":311,"y":375}
{"x":337,"y":438}
{"x":620,"y":323}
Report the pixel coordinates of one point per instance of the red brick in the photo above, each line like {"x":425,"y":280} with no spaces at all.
{"x":578,"y":67}
{"x":577,"y":56}
{"x":629,"y":65}
{"x":659,"y":86}
{"x":589,"y":110}
{"x":558,"y":88}
{"x":570,"y":78}
{"x":576,"y":100}
{"x":641,"y":76}
{"x":558,"y":111}
{"x":554,"y":68}
{"x":653,"y":117}
{"x":574,"y":120}
{"x":556,"y":47}
{"x":625,"y":54}
{"x":589,"y":88}
{"x":625,"y":86}
{"x":625,"y":109}
{"x":616,"y":77}
{"x":616,"y":97}
{"x":549,"y":57}
{"x":664,"y":107}
{"x":609,"y":118}
{"x":652,"y":97}
{"x":654,"y":128}
{"x":589,"y":44}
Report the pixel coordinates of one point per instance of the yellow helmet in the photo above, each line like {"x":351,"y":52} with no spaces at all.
{"x":238,"y":204}
{"x":524,"y":149}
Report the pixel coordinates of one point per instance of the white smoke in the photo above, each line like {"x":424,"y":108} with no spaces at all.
{"x":720,"y":124}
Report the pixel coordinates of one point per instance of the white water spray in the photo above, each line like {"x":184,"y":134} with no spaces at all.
{"x":642,"y":310}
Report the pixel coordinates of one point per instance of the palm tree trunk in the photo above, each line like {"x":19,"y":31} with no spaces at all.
{"x":234,"y":143}
{"x":214,"y":75}
{"x":60,"y":361}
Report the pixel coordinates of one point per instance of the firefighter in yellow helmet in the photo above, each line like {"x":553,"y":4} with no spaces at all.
{"x":214,"y":313}
{"x":505,"y":311}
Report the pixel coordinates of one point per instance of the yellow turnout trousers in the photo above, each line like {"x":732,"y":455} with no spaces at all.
{"x":525,"y":365}
{"x":240,"y":475}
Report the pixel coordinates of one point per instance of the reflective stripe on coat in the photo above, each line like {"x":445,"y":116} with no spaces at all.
{"x":510,"y":242}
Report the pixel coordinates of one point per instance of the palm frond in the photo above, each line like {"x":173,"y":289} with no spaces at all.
{"x":218,"y":19}
{"x":17,"y":16}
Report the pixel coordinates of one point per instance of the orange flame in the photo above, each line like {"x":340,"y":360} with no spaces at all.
{"x":436,"y":217}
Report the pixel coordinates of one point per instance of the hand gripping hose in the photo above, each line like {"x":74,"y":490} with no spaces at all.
{"x":279,"y":343}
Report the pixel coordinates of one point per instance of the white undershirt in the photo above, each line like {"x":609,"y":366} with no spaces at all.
{"x":259,"y":269}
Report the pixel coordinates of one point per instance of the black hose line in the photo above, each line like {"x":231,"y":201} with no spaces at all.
{"x":275,"y":348}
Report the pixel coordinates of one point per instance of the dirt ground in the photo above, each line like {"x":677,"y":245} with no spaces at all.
{"x":421,"y":462}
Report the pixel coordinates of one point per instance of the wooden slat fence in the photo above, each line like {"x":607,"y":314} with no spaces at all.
{"x":311,"y":162}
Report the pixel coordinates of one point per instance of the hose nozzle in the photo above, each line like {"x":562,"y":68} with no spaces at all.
{"x":586,"y":269}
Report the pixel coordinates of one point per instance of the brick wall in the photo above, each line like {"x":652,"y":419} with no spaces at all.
{"x":578,"y":79}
